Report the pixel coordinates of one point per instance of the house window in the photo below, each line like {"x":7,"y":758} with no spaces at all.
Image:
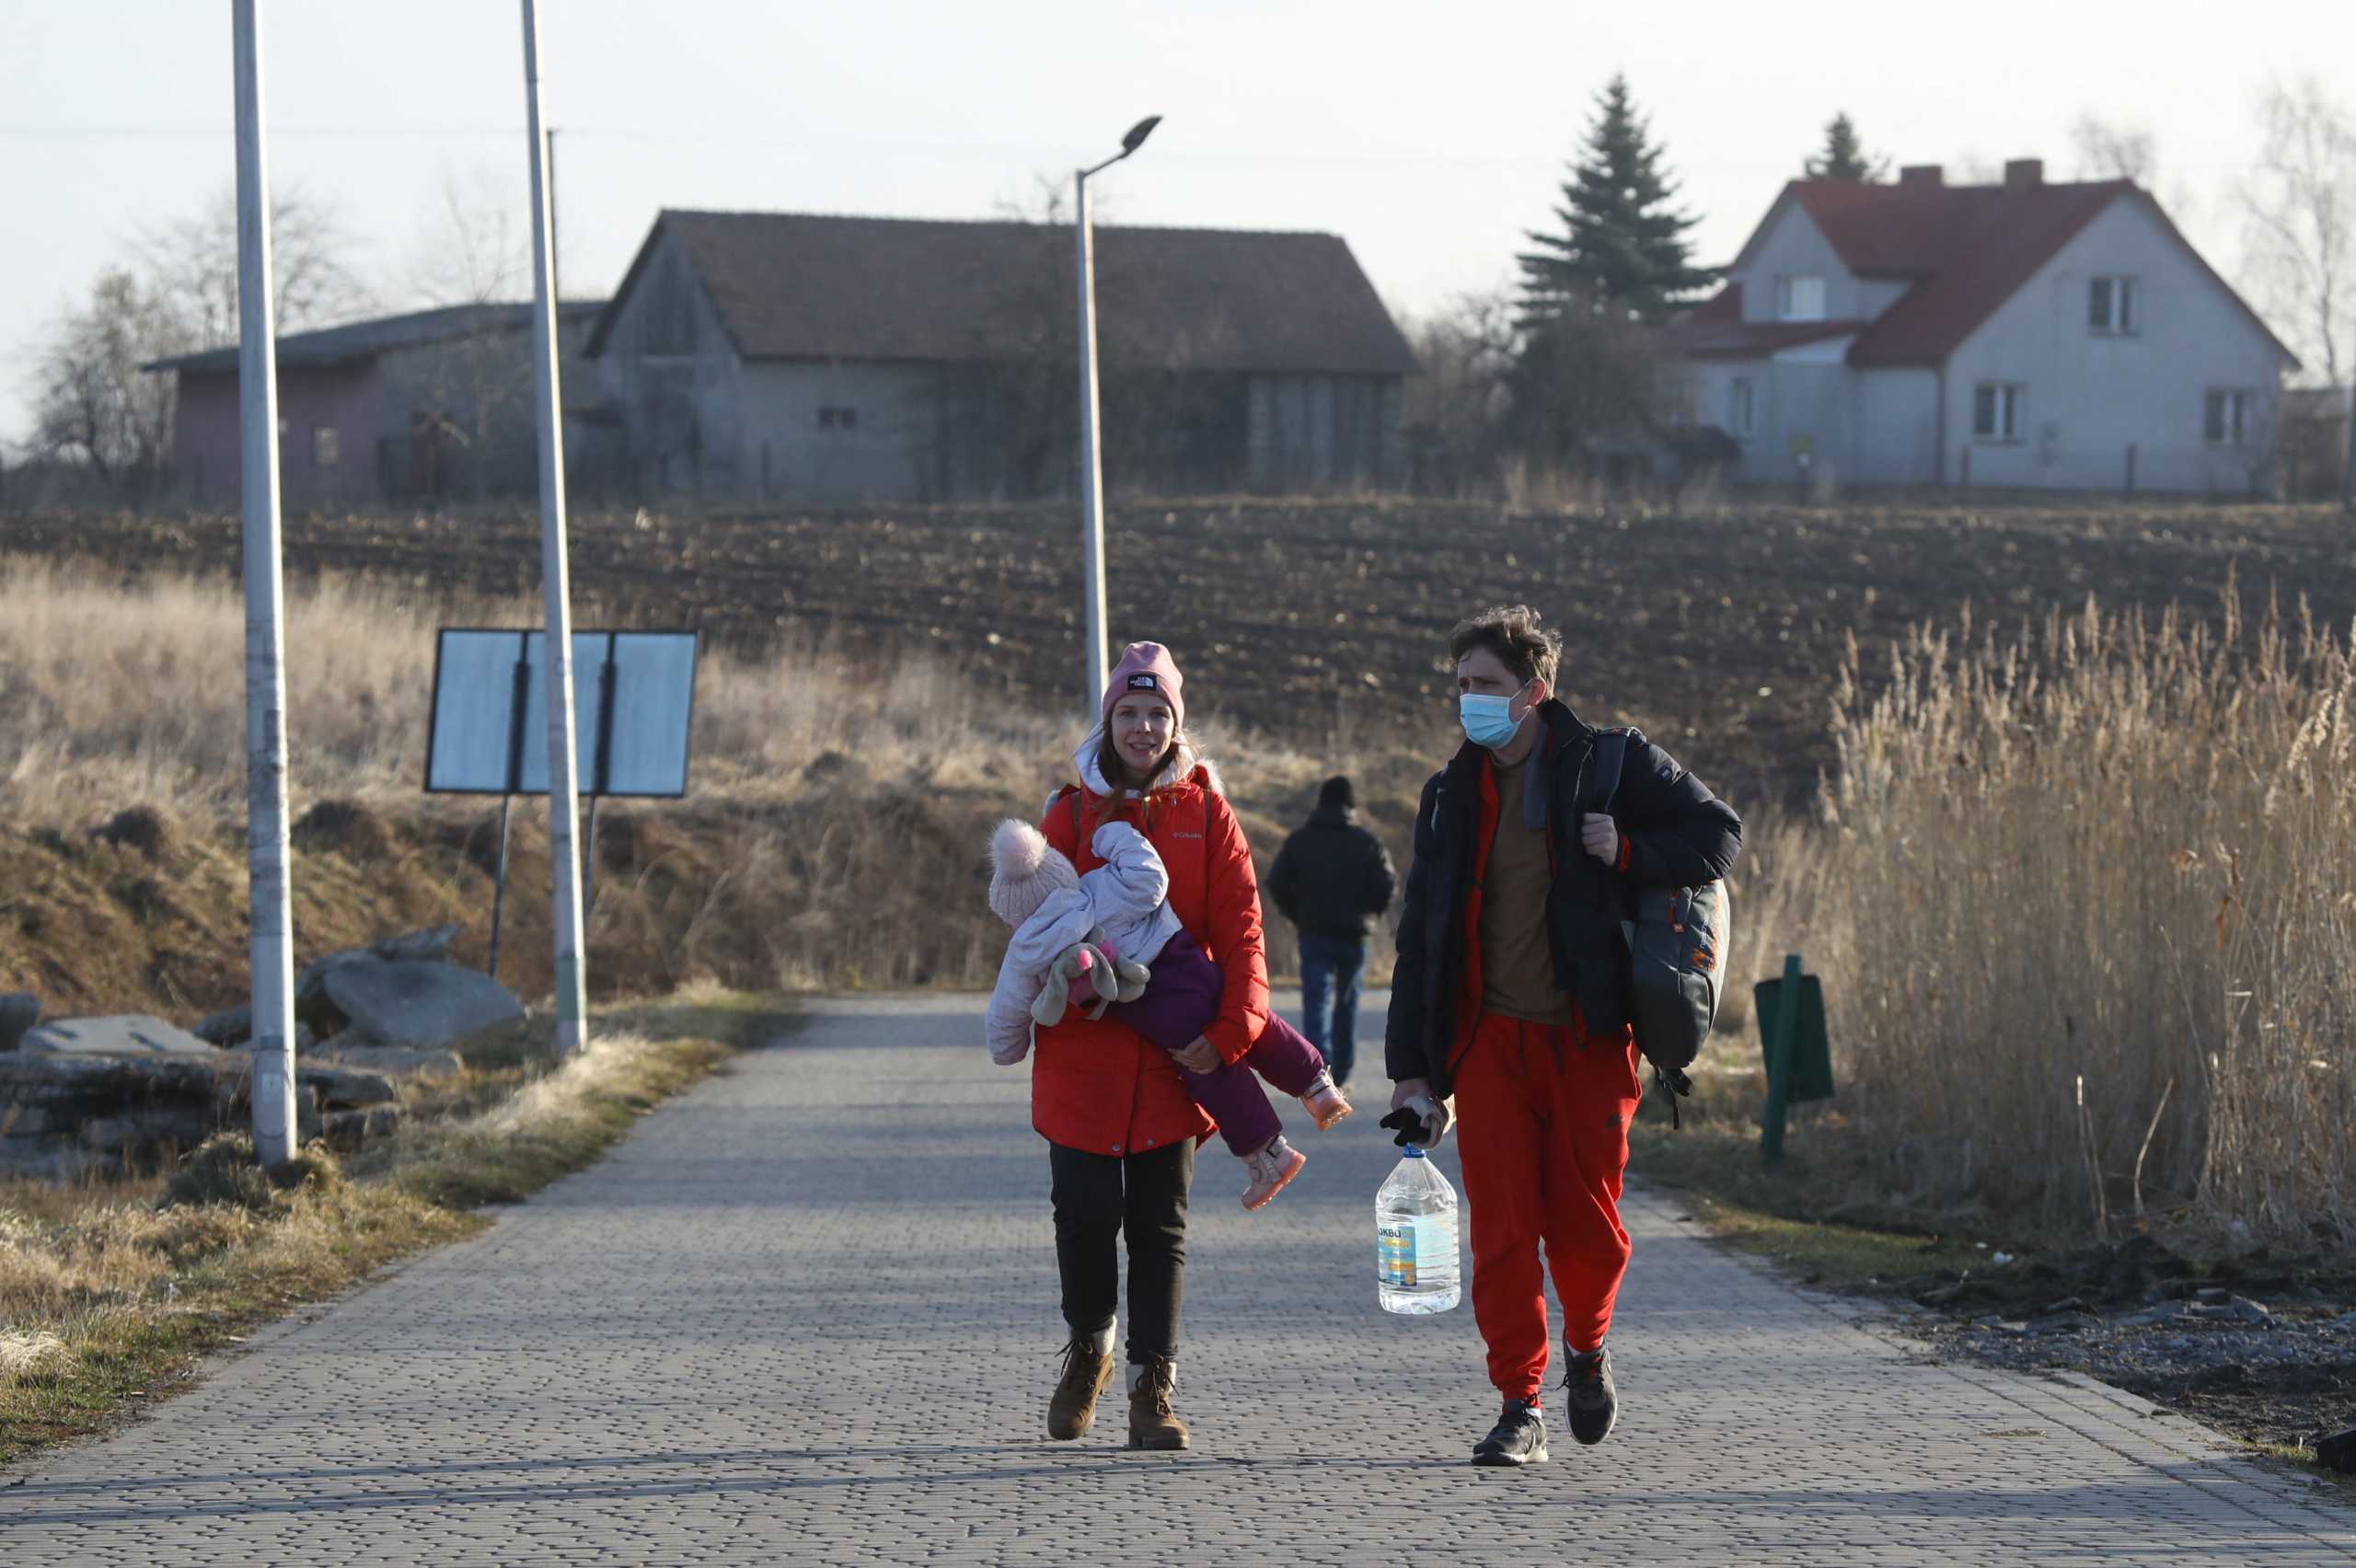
{"x":1800,"y":298}
{"x":1739,"y":407}
{"x":327,"y":447}
{"x":2227,"y":420}
{"x":1996,"y":411}
{"x":837,"y":419}
{"x":1673,"y":397}
{"x":2110,"y":306}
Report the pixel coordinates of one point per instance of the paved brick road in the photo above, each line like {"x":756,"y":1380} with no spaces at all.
{"x":806,"y":1315}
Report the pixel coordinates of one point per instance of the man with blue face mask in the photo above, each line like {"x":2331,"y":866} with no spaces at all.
{"x":1508,"y":1004}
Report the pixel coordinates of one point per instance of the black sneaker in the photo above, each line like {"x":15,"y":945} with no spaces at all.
{"x":1595,"y":1401}
{"x":1518,"y":1438}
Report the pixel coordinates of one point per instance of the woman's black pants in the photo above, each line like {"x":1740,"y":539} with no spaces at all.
{"x":1098,"y":1196}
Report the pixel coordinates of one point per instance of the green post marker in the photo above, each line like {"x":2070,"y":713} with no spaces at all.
{"x":1780,"y":1047}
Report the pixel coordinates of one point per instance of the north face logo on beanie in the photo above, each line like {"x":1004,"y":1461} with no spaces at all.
{"x":1145,"y":683}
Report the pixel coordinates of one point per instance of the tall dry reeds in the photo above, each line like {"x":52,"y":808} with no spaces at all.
{"x":2085,"y":897}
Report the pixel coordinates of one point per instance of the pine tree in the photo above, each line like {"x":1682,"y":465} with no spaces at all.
{"x":1845,"y":155}
{"x":1623,"y":246}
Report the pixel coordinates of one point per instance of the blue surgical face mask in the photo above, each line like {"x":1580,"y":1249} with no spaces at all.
{"x":1489,"y":720}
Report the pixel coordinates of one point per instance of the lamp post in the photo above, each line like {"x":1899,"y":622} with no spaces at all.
{"x":276,"y":1130}
{"x":556,"y":580}
{"x":1091,"y":455}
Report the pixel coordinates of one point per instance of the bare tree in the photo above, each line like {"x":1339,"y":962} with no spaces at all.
{"x":191,"y":267}
{"x":2300,"y":207}
{"x":91,"y":402}
{"x":1589,"y":373}
{"x":472,"y":250}
{"x":94,"y":405}
{"x":1457,"y":399}
{"x":2115,"y":149}
{"x":2112,"y":150}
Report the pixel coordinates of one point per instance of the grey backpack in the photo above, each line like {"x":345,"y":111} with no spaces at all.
{"x":1676,"y":939}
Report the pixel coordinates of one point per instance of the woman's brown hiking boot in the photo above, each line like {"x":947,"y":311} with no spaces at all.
{"x":1071,"y":1408}
{"x":1152,"y":1423}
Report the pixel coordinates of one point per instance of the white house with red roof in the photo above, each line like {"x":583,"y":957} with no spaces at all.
{"x":2019,"y":334}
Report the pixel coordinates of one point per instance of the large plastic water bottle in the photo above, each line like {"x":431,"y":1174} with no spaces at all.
{"x":1414,"y":1239}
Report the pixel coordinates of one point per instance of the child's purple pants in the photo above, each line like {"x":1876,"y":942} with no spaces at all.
{"x":1179,"y":1004}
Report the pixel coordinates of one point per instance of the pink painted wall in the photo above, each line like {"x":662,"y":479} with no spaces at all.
{"x":345,"y":399}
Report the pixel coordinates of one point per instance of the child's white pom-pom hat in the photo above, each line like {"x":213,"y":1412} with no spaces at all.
{"x":1024,"y":869}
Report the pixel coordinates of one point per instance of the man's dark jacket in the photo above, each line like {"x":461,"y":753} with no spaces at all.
{"x":1679,"y":835}
{"x":1333,"y":878}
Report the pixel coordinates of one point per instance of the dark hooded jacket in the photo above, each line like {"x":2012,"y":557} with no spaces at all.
{"x":1674,"y":833}
{"x":1333,"y":878}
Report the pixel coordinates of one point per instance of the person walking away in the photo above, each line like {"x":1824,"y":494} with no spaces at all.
{"x":1509,"y":1005}
{"x":1333,"y":879}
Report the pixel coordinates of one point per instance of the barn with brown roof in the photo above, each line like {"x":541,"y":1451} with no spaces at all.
{"x":2026,"y":333}
{"x":842,"y":359}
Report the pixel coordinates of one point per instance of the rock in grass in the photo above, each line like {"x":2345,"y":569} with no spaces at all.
{"x":186,"y":1126}
{"x":234,"y":1027}
{"x":2167,"y":1312}
{"x":2233,"y":1309}
{"x":421,"y":1004}
{"x":431,"y":945}
{"x":322,"y":1082}
{"x":19,"y":1010}
{"x":375,"y":1121}
{"x":396,"y":1061}
{"x":127,"y":1034}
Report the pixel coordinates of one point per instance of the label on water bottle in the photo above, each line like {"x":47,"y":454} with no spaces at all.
{"x":1394,"y":1254}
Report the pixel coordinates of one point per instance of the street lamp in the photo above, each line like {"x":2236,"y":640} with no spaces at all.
{"x":1091,"y":455}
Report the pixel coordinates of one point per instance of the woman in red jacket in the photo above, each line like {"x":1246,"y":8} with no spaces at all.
{"x":1120,"y":1126}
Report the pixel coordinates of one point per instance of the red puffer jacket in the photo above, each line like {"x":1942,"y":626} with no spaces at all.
{"x":1099,"y":1086}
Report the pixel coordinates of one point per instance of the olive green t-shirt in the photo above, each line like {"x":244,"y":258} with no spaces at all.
{"x":1517,"y":969}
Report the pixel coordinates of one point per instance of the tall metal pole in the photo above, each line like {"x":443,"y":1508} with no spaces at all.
{"x":271,"y":949}
{"x":1092,"y":456}
{"x":564,"y":804}
{"x":2348,"y":456}
{"x":556,"y":235}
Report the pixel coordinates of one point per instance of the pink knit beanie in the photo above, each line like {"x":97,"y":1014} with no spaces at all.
{"x":1148,"y":667}
{"x":1024,"y":869}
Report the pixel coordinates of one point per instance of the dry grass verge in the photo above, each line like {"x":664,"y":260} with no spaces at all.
{"x":110,"y":1292}
{"x":834,"y":837}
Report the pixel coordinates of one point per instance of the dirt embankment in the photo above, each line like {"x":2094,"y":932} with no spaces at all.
{"x":848,"y":881}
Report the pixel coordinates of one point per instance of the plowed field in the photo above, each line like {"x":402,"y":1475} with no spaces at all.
{"x":1721,"y":634}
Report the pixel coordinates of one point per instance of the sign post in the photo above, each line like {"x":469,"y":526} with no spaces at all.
{"x":636,"y":712}
{"x":1797,"y":1048}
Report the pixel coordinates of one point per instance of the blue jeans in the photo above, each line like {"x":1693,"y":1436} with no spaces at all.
{"x":1330,"y":974}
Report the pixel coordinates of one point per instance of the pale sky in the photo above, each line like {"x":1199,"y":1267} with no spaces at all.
{"x":1429,"y":136}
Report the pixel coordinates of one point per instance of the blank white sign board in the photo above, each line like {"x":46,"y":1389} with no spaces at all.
{"x":635,"y":690}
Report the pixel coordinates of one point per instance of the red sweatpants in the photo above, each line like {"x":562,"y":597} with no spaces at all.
{"x":1543,"y":1131}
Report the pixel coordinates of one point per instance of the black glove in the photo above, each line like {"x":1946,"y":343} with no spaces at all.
{"x":1679,"y":1087}
{"x":1411,"y":1128}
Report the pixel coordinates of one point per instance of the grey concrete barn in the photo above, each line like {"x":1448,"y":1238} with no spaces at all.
{"x":842,"y":359}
